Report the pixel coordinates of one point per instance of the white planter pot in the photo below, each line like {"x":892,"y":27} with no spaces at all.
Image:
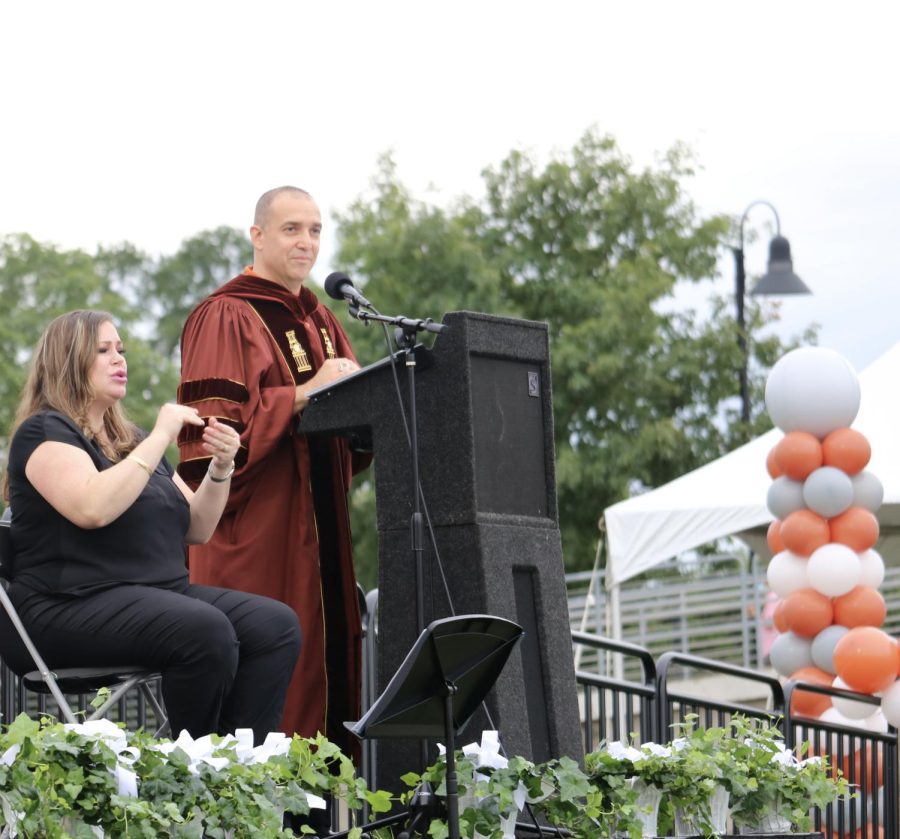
{"x":770,"y":823}
{"x":648,"y":800}
{"x":689,"y":824}
{"x":507,"y":820}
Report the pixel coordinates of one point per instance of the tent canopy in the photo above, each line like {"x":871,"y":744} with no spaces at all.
{"x":728,"y":496}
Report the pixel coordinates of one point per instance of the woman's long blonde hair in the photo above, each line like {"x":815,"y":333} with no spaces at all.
{"x":59,"y":380}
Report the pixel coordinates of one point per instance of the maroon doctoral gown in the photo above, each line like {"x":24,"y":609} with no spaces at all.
{"x":285,"y":532}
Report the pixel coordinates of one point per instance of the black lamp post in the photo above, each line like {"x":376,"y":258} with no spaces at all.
{"x":778,"y":279}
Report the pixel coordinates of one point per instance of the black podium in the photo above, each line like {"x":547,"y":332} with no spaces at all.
{"x":486,"y":463}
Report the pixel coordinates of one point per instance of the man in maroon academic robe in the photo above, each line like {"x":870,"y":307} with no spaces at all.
{"x":251,"y":352}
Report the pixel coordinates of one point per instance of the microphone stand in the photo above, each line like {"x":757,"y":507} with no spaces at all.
{"x":405,"y":338}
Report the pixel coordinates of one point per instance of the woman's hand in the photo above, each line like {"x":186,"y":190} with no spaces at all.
{"x":172,"y":417}
{"x":222,"y":442}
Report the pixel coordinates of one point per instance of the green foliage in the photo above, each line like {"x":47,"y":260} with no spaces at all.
{"x":748,"y":759}
{"x":56,"y":781}
{"x":596,"y":249}
{"x":59,"y":782}
{"x":179,"y":282}
{"x":643,"y":391}
{"x":766,"y":779}
{"x":418,"y":261}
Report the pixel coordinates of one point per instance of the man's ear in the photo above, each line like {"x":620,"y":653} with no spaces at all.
{"x":256,"y":236}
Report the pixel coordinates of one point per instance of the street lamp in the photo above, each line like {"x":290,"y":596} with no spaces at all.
{"x":778,"y":279}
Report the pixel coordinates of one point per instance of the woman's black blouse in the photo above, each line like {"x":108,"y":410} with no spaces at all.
{"x":144,"y":545}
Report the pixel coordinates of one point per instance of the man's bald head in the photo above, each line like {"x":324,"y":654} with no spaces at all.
{"x":264,"y":205}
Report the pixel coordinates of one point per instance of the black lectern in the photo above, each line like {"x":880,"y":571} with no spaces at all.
{"x":486,"y":463}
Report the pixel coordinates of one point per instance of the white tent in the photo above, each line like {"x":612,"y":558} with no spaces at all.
{"x":728,"y":496}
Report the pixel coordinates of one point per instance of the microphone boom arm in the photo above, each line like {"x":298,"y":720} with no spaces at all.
{"x":408,"y":325}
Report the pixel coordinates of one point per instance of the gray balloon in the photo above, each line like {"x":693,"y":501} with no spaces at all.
{"x":823,"y":647}
{"x":828,"y":491}
{"x":784,"y":497}
{"x":789,"y":653}
{"x":867,"y":491}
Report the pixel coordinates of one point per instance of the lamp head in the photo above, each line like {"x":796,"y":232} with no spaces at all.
{"x":780,"y":277}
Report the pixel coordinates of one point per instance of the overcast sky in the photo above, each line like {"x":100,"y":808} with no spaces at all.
{"x":150,"y":122}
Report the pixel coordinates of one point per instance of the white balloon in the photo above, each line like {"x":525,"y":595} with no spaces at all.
{"x":833,"y":569}
{"x":890,"y":704}
{"x":823,"y":645}
{"x":876,"y":722}
{"x":829,"y":742}
{"x":786,"y":573}
{"x":868,"y":491}
{"x":871,"y":569}
{"x":812,"y":389}
{"x":828,"y":491}
{"x":853,"y":709}
{"x":784,"y":497}
{"x":790,"y":652}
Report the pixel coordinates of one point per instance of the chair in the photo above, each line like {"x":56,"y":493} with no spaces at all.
{"x":66,"y":680}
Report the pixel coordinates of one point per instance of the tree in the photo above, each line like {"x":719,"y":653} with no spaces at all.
{"x":179,"y":282}
{"x":597,"y":249}
{"x":409,"y":254}
{"x":643,"y":391}
{"x":415,"y":260}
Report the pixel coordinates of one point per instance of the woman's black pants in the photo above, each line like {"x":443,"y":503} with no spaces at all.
{"x":226,"y":657}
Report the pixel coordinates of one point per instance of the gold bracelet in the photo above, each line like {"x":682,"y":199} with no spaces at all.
{"x":140,"y":462}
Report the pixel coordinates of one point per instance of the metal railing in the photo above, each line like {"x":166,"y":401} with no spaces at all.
{"x":616,"y":709}
{"x":868,"y":759}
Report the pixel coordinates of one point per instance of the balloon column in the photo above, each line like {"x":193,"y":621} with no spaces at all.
{"x":825,"y":567}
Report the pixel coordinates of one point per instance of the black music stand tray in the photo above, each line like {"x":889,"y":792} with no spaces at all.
{"x":440,"y":684}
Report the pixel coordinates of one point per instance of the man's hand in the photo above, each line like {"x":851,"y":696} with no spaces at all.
{"x":332,"y":370}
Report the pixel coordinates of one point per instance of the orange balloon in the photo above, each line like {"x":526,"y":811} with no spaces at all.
{"x":772,"y":467}
{"x":846,"y":449}
{"x":803,"y":531}
{"x":805,"y":702}
{"x":778,"y":619}
{"x":856,"y":528}
{"x":867,"y":659}
{"x":862,"y":606}
{"x":773,"y":537}
{"x":797,"y":454}
{"x":807,"y":612}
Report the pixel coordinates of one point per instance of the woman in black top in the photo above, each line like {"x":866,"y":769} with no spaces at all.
{"x":99,"y":524}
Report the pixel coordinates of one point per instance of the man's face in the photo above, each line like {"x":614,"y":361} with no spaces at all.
{"x":287,"y":244}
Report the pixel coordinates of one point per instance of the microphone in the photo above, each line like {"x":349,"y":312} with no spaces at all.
{"x":340,"y":287}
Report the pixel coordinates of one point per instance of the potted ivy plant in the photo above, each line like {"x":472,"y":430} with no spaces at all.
{"x":692,"y":774}
{"x":772,"y":791}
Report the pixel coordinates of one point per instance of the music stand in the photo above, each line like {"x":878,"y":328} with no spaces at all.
{"x":440,"y":684}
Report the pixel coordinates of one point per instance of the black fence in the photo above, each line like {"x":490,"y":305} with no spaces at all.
{"x":669,"y":689}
